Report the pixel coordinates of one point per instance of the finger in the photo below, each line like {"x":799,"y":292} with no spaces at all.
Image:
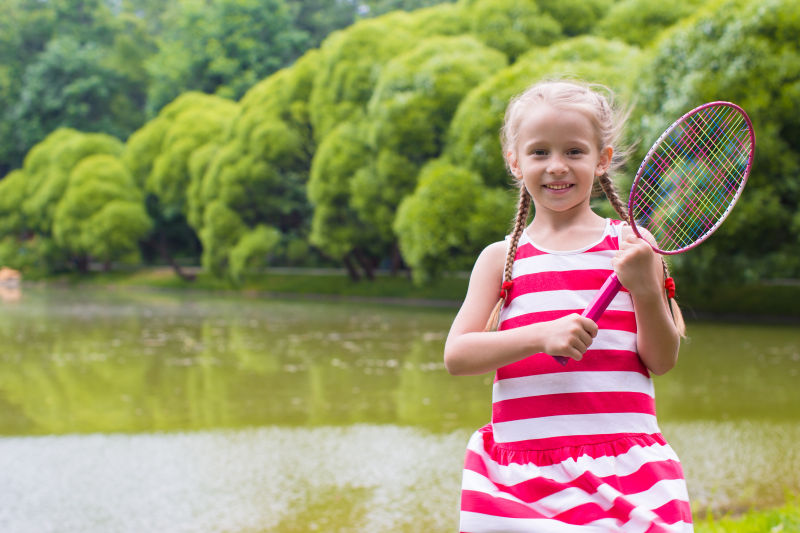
{"x":582,"y":341}
{"x":626,"y":232}
{"x":590,"y":326}
{"x":576,"y":354}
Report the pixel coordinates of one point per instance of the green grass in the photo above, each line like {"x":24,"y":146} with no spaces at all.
{"x":449,"y":289}
{"x":785,"y":519}
{"x":747,"y":301}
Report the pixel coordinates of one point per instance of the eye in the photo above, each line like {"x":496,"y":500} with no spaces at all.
{"x":574,"y":152}
{"x":539,"y":152}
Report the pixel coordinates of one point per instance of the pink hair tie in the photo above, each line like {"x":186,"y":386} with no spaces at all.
{"x":505,"y":288}
{"x":669,"y":285}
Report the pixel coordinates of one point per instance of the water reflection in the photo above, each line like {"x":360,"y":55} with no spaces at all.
{"x":95,"y":362}
{"x":238,"y":414}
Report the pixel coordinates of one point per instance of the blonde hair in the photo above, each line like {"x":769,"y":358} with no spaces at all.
{"x":597,"y":103}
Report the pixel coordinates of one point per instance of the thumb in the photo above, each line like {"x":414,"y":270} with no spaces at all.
{"x":627,"y":236}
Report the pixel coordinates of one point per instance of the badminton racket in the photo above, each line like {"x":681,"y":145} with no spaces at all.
{"x":687,"y":184}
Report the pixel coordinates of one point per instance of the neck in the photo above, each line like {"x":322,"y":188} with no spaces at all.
{"x":568,"y":230}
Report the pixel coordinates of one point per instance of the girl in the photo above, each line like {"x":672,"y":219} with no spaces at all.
{"x":572,"y":447}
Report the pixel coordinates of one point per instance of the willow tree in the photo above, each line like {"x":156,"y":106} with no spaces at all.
{"x":407,"y":120}
{"x":27,"y":225}
{"x":102,"y":215}
{"x":159,"y":156}
{"x":254,"y":177}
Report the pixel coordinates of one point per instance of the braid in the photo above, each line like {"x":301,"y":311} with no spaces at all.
{"x":677,"y":315}
{"x":523,"y":208}
{"x":611,"y":193}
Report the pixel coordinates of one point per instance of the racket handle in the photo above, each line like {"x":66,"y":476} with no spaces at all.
{"x":607,"y":292}
{"x":595,"y":310}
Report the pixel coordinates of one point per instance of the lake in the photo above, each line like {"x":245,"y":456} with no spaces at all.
{"x":139,"y":410}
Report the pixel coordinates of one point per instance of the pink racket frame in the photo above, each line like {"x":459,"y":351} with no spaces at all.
{"x":732,"y":203}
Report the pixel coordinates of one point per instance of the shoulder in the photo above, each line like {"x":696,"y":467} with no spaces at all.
{"x":487,"y":274}
{"x":493,"y":258}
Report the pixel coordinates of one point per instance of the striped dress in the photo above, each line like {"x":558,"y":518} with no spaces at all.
{"x":572,"y":448}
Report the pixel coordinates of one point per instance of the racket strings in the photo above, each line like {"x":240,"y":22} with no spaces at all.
{"x":693,"y":177}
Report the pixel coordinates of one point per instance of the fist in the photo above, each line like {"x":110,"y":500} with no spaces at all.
{"x":570,"y":336}
{"x":636,"y":263}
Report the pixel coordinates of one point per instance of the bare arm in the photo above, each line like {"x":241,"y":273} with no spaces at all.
{"x":640,"y":271}
{"x":470,"y":350}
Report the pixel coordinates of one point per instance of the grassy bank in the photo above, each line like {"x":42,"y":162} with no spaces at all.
{"x":328,"y":283}
{"x":785,"y":519}
{"x":767,"y":301}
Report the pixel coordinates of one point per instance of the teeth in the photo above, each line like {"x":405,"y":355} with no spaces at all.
{"x":559,"y":187}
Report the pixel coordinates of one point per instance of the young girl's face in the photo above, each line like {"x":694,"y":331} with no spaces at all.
{"x":557,"y":157}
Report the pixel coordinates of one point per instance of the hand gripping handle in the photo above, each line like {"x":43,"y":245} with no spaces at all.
{"x":595,"y":309}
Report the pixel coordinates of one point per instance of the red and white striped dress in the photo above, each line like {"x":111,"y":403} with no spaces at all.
{"x":572,"y":448}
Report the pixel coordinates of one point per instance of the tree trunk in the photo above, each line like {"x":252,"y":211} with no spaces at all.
{"x":397,"y":259}
{"x":82,"y":263}
{"x":351,"y":268}
{"x":163,"y":249}
{"x":366,"y":264}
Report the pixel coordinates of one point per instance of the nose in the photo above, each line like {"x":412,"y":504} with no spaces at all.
{"x":557,"y":166}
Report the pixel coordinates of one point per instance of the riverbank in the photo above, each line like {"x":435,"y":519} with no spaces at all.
{"x":783,"y":519}
{"x":776,"y":301}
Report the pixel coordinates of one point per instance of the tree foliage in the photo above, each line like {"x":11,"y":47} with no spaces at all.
{"x":78,"y":203}
{"x":640,"y":22}
{"x":101,"y":216}
{"x":222,"y":47}
{"x":740,"y":52}
{"x":380,"y":147}
{"x":439,"y":225}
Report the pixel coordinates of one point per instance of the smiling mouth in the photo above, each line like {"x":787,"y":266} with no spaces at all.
{"x":558,"y":186}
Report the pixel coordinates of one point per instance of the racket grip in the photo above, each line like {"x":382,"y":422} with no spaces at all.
{"x":595,"y":309}
{"x":607,"y":292}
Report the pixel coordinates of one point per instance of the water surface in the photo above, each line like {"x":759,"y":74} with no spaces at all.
{"x":157,"y":411}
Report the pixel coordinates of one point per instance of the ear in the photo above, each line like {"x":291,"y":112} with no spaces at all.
{"x":513,"y":164}
{"x":604,"y":162}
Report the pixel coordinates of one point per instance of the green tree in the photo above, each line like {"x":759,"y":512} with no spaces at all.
{"x":746,"y":53}
{"x":25,"y":29}
{"x":27,"y":225}
{"x":576,"y":16}
{"x":639,"y":22}
{"x":441,"y":225}
{"x":70,"y":84}
{"x":336,"y":228}
{"x":67,"y":63}
{"x":101,"y":216}
{"x":349,"y":66}
{"x":511,"y":26}
{"x":221,"y":47}
{"x":253,"y":250}
{"x":158,"y":155}
{"x":408,"y":116}
{"x":259,"y":168}
{"x":222,"y":229}
{"x":48,"y":166}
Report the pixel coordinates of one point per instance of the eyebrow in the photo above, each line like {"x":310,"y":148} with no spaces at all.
{"x":571,"y":143}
